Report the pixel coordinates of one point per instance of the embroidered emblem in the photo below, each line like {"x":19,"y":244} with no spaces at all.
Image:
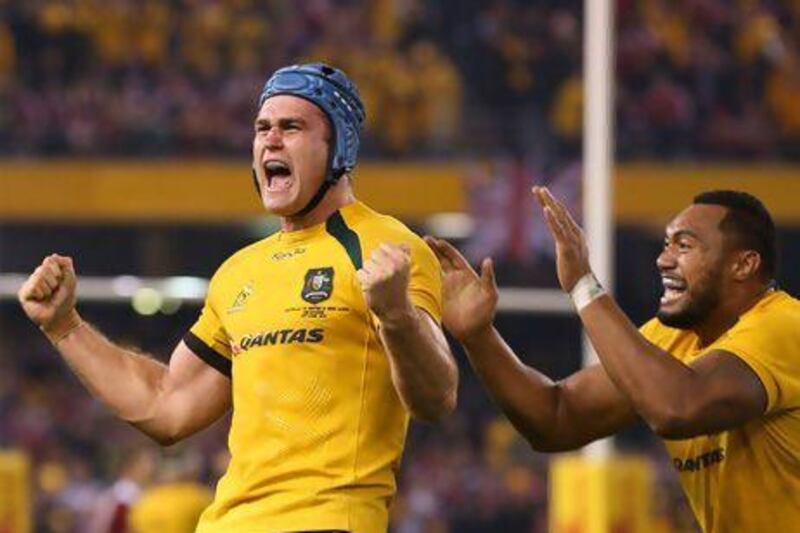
{"x":318,"y":285}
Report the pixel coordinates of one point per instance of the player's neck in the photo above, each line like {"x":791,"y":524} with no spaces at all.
{"x":727,"y":313}
{"x":713,"y":327}
{"x":337,"y":197}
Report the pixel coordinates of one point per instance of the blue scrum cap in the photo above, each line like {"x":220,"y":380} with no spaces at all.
{"x":333,"y":92}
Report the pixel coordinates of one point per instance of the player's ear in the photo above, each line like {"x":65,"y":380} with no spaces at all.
{"x":746,"y":265}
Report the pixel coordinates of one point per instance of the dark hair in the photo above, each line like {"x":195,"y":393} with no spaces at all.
{"x":749,"y":222}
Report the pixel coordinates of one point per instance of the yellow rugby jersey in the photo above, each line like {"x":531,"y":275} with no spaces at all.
{"x":747,"y":479}
{"x":318,"y":428}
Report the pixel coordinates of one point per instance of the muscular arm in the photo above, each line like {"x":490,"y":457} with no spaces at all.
{"x":423,"y":370}
{"x":552,"y":416}
{"x":716,"y":392}
{"x":166,"y":402}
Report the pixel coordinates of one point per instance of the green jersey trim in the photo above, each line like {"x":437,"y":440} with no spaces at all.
{"x":338,"y":229}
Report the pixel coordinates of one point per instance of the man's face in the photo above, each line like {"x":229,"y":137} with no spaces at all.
{"x":290,"y":153}
{"x":692,"y":266}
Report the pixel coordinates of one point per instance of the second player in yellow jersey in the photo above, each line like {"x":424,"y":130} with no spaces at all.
{"x":746,"y":478}
{"x":716,"y":373}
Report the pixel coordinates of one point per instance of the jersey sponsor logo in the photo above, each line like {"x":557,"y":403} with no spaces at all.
{"x":280,"y":336}
{"x":241,"y":298}
{"x":318,"y":285}
{"x":693,"y":464}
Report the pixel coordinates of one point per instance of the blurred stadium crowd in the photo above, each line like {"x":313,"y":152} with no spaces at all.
{"x":696,"y":78}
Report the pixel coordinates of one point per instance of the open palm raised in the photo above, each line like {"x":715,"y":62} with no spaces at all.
{"x":470,"y":300}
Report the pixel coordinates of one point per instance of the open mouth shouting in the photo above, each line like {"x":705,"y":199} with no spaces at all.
{"x":674,"y":288}
{"x":278,"y":174}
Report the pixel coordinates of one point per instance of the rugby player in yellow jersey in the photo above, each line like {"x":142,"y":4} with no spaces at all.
{"x":716,"y":373}
{"x":323,"y":338}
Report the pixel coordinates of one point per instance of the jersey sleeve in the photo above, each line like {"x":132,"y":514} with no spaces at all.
{"x":771,"y":349}
{"x":207,"y":337}
{"x":425,"y":286}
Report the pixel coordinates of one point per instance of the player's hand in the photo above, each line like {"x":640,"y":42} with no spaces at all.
{"x":48,"y":295}
{"x":572,"y":254}
{"x":470,"y":300}
{"x":384,"y":279}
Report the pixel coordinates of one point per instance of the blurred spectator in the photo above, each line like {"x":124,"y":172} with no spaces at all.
{"x":174,"y":504}
{"x":783,"y":100}
{"x":111,"y":510}
{"x":566,"y":117}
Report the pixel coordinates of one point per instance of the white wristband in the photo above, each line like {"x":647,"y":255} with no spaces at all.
{"x":585,"y":291}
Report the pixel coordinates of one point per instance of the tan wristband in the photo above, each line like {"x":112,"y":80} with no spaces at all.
{"x":62,"y":331}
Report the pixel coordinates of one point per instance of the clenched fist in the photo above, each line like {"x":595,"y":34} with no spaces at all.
{"x":48,"y":296}
{"x":384,"y":279}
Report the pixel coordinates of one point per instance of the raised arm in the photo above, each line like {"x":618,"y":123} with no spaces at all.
{"x":552,"y":416}
{"x":423,"y":369}
{"x":716,"y":392}
{"x":166,"y":402}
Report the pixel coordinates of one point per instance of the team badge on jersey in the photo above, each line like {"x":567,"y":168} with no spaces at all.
{"x":318,"y":286}
{"x":241,"y":298}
